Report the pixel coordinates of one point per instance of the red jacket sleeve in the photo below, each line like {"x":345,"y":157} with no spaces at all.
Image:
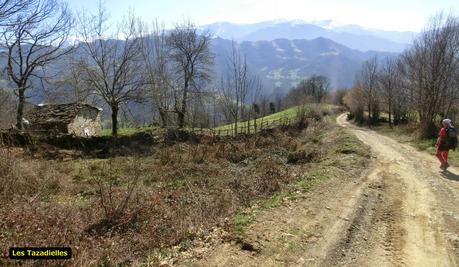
{"x":442,"y":134}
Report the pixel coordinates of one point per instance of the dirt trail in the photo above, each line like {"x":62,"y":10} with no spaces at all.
{"x":421,"y":224}
{"x":403,"y":212}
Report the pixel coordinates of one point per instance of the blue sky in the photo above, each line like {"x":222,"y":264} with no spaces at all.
{"x":388,"y":14}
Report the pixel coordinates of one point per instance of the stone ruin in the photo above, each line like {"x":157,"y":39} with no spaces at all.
{"x":77,"y":119}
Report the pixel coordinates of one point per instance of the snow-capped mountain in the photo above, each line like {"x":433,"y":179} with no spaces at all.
{"x":353,"y":36}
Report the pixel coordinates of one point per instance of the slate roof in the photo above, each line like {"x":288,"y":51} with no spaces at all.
{"x":47,"y":114}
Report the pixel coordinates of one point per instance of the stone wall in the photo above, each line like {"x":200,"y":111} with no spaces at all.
{"x":86,"y":123}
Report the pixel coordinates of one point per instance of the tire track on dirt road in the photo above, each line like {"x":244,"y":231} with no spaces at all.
{"x":421,"y":199}
{"x":402,"y":212}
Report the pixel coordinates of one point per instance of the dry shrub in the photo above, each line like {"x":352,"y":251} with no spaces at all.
{"x":315,"y":114}
{"x":270,"y":182}
{"x":191,"y":188}
{"x":304,"y":156}
{"x":273,"y":178}
{"x":115,"y":194}
{"x":315,"y":130}
{"x":169,"y":155}
{"x":26,"y":178}
{"x":265,"y":141}
{"x":177,"y":135}
{"x":207,"y":139}
{"x":39,"y":224}
{"x":220,"y":151}
{"x":236,"y":154}
{"x":200,"y":153}
{"x":180,"y":214}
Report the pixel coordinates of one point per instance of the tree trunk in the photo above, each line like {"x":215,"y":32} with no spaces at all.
{"x":115,"y":120}
{"x":162,"y":115}
{"x":20,"y":111}
{"x":235,"y":126}
{"x":180,"y":119}
{"x":428,"y":128}
{"x":397,"y":115}
{"x":369,"y":114}
{"x":182,"y":112}
{"x":236,"y":117}
{"x":248,"y":125}
{"x":375,"y":115}
{"x":390,"y":116}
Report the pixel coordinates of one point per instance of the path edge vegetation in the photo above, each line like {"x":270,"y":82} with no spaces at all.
{"x":341,"y":152}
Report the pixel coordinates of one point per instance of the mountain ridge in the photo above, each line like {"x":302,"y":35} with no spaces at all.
{"x":351,"y":35}
{"x":282,"y":63}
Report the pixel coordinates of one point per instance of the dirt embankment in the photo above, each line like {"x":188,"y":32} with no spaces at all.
{"x":403,"y":212}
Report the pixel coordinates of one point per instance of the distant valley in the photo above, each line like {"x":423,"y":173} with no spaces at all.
{"x":282,"y":63}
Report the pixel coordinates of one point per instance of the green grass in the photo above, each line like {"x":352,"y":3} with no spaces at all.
{"x":244,"y":218}
{"x":317,"y":176}
{"x":277,"y":199}
{"x":241,"y":221}
{"x":125,"y":131}
{"x":345,"y":153}
{"x":290,"y":113}
{"x":349,"y":144}
{"x":128,"y":131}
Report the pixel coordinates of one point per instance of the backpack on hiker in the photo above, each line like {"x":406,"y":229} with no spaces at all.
{"x":451,"y":138}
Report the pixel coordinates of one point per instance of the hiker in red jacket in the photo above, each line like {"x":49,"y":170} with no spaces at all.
{"x":442,"y":146}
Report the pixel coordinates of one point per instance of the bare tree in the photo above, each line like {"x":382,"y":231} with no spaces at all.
{"x":401,"y":96}
{"x":429,"y":69}
{"x":316,"y":87}
{"x":113,"y":65}
{"x":155,"y":55}
{"x":353,"y":101}
{"x":235,"y":85}
{"x":34,"y":38}
{"x":199,"y":110}
{"x":255,"y":95}
{"x":70,"y":84}
{"x":368,"y":83}
{"x":389,"y":82}
{"x":10,"y":8}
{"x":191,"y":58}
{"x":338,"y":96}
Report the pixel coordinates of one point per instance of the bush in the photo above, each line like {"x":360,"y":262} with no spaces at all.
{"x":236,"y":154}
{"x":315,"y":114}
{"x":26,"y":178}
{"x":303,"y":156}
{"x":190,"y":188}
